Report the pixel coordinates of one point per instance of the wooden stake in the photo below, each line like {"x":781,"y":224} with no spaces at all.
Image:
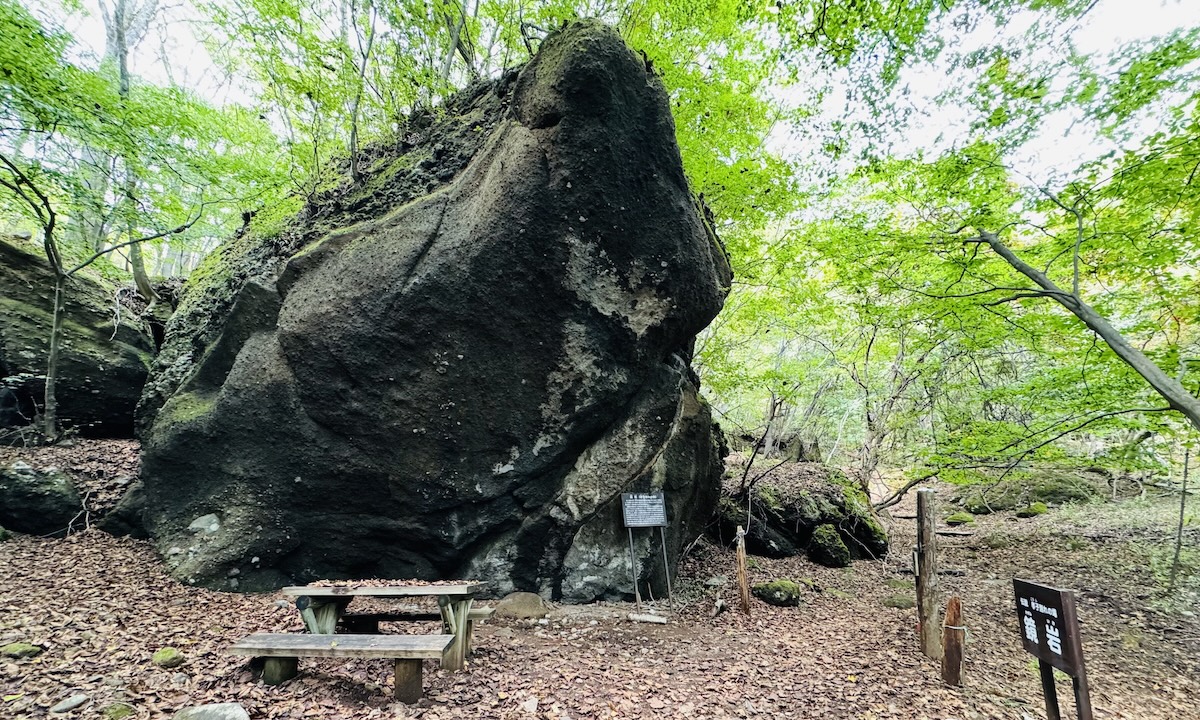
{"x":927,"y":578}
{"x":743,"y":580}
{"x":954,"y":635}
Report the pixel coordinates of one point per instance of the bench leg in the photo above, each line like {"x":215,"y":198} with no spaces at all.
{"x":408,"y":681}
{"x":277,"y":670}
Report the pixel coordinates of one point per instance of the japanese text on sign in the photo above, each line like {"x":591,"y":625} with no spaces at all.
{"x":1049,"y":626}
{"x":644,"y":509}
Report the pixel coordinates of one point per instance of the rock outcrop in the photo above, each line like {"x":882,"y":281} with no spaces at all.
{"x":807,"y":508}
{"x":105,"y":356}
{"x":455,"y":368}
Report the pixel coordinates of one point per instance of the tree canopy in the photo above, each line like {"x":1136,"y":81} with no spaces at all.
{"x":964,"y":234}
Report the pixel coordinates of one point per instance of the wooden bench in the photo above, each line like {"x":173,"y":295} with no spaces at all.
{"x":281,"y":652}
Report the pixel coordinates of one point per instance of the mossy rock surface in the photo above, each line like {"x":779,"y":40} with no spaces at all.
{"x":20,"y":650}
{"x":900,"y":602}
{"x":827,"y":548}
{"x":118,"y":711}
{"x":962,"y":517}
{"x":899,"y":584}
{"x":1032,"y":510}
{"x":168,"y":657}
{"x":5,"y":535}
{"x":781,"y":593}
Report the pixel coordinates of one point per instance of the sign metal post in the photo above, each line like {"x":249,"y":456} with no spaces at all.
{"x":646,"y":510}
{"x":1050,"y":632}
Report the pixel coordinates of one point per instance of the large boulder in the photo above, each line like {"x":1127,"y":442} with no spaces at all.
{"x":454,"y":368}
{"x":104,"y":359}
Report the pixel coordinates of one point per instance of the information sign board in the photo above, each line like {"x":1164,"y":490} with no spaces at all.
{"x":1050,"y":632}
{"x":644,"y":509}
{"x":1049,"y":626}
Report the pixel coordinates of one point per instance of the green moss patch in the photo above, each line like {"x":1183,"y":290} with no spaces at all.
{"x":900,"y":602}
{"x":20,"y":650}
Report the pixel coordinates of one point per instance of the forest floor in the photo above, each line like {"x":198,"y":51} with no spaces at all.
{"x":100,"y":606}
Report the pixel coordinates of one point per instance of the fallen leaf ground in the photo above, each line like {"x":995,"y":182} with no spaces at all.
{"x":100,"y":606}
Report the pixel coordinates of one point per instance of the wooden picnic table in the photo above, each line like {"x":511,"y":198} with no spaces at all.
{"x":321,"y":607}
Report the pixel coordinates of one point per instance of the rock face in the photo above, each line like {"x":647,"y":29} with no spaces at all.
{"x":103,"y":364}
{"x":454,"y":369}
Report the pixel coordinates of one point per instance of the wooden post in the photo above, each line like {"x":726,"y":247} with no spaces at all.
{"x":408,"y":681}
{"x":954,"y":634}
{"x":1046,"y":671}
{"x":927,"y":578}
{"x":743,"y":580}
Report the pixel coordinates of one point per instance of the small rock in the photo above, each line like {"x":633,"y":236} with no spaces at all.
{"x":522,"y":605}
{"x":70,"y":703}
{"x":117,"y":711}
{"x":180,"y":679}
{"x":530,"y":705}
{"x":20,"y":650}
{"x":504,"y":632}
{"x":217,"y":711}
{"x":717,"y":581}
{"x":283,"y":604}
{"x":205,"y":523}
{"x":168,"y":658}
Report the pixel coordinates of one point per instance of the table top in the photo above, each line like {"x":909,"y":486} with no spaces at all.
{"x":384,"y":591}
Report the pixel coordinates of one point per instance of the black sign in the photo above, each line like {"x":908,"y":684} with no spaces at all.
{"x":1049,"y":625}
{"x":644,"y":509}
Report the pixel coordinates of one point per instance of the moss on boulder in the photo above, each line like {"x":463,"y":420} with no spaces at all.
{"x":1051,"y":488}
{"x":781,"y":593}
{"x":1033,"y":509}
{"x":826,"y":547}
{"x":117,"y":711}
{"x":962,"y":517}
{"x":792,"y":503}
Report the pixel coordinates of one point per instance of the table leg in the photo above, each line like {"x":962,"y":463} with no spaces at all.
{"x":408,"y":681}
{"x":277,"y":670}
{"x":455,"y":614}
{"x":320,"y":618}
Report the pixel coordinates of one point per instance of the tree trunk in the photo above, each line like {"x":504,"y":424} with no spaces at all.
{"x":1167,"y":387}
{"x":50,"y":407}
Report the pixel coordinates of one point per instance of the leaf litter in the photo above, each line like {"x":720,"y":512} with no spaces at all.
{"x":101,"y":606}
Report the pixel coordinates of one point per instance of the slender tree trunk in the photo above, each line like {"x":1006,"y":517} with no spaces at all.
{"x":1187,"y":452}
{"x":50,"y":406}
